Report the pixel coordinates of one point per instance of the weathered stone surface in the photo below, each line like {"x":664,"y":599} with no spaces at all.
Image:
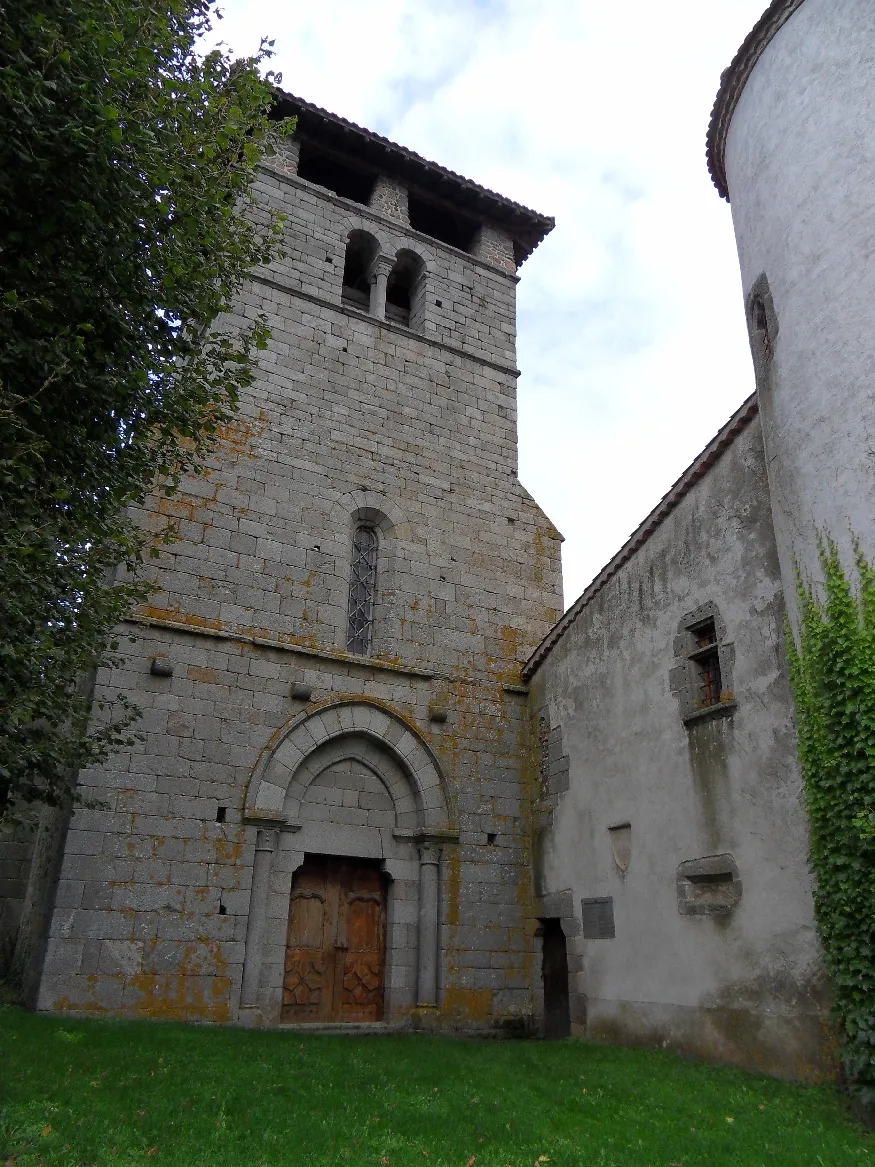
{"x":266,"y":719}
{"x":690,"y":791}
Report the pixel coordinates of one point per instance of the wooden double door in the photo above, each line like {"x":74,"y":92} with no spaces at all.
{"x":336,"y":941}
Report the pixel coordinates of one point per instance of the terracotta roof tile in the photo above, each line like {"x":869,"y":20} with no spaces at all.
{"x":732,"y":82}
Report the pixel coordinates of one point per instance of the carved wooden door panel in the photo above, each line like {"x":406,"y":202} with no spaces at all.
{"x":336,"y":942}
{"x":308,"y":977}
{"x":363,"y":920}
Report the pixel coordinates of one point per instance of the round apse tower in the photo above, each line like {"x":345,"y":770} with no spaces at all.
{"x":792,"y":146}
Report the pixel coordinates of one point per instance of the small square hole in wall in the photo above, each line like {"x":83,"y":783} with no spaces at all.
{"x":160,"y":666}
{"x":492,"y":837}
{"x":220,"y":814}
{"x":439,"y":303}
{"x":223,"y":911}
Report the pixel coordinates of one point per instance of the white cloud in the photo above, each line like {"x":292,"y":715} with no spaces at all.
{"x":632,"y":339}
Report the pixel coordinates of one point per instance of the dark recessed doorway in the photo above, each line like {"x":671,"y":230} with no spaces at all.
{"x":557,"y":1013}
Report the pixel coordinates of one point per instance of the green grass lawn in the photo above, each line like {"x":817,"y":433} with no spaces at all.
{"x":78,"y":1093}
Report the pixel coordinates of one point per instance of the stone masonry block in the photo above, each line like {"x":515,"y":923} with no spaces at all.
{"x":63,"y":956}
{"x":69,"y":893}
{"x":96,"y":894}
{"x":121,"y":956}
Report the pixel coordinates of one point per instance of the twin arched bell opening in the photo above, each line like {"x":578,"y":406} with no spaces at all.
{"x":388,"y":289}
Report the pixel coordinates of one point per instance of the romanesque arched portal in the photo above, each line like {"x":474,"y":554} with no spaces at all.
{"x":355,"y":782}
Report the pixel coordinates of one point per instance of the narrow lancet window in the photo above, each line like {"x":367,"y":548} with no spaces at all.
{"x":361,"y":251}
{"x":362,"y":588}
{"x":405,"y":290}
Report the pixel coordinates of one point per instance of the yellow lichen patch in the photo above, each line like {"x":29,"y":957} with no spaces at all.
{"x":198,"y":991}
{"x":206,"y":675}
{"x":512,"y":640}
{"x":550,"y":614}
{"x":452,"y":885}
{"x":90,"y":1006}
{"x":180,"y":998}
{"x":514,"y":649}
{"x":540,"y":557}
{"x":177,"y":508}
{"x":527,"y":747}
{"x":175,"y":616}
{"x":237,"y":436}
{"x":228,"y":851}
{"x":467,"y":1004}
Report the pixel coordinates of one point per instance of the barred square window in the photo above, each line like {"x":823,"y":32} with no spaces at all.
{"x":706,"y":661}
{"x":702,"y":674}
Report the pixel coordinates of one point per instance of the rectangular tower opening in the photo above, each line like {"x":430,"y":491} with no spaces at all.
{"x":440,"y":222}
{"x":335,"y":173}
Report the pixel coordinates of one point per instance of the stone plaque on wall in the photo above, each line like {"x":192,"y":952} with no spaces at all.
{"x":598,"y":918}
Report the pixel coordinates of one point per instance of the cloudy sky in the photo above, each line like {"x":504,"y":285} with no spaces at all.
{"x":631,"y":335}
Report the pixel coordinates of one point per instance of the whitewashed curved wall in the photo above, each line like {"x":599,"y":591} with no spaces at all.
{"x":800,"y":163}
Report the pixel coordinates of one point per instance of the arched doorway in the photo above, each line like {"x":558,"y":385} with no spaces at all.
{"x":350,"y":817}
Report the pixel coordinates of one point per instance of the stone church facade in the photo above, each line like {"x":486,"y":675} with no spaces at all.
{"x":383,"y":779}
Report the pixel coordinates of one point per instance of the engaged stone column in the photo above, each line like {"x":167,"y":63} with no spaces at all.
{"x":429,"y":871}
{"x":379,"y":280}
{"x":265,"y":844}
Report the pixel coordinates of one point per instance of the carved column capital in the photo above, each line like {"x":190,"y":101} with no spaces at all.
{"x":430,"y":854}
{"x":266,"y":839}
{"x":381,"y":266}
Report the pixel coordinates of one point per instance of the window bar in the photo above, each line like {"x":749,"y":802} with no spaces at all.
{"x":710,"y":676}
{"x":362,"y":587}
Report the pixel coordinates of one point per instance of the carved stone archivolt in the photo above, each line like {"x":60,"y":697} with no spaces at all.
{"x":303,"y":799}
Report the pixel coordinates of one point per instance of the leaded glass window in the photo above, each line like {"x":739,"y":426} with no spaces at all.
{"x":362,"y":587}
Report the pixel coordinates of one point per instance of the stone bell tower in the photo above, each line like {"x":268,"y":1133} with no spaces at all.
{"x":328,"y":819}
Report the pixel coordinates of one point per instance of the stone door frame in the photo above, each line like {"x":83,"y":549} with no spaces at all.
{"x":410,"y":853}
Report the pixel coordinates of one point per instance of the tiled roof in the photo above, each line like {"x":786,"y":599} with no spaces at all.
{"x":715,"y":448}
{"x":732,"y":82}
{"x":526,"y":226}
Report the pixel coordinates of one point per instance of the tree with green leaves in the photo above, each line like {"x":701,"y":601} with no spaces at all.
{"x":127,"y":227}
{"x":832,"y":673}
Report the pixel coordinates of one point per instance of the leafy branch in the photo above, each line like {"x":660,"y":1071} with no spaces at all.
{"x":127,"y":228}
